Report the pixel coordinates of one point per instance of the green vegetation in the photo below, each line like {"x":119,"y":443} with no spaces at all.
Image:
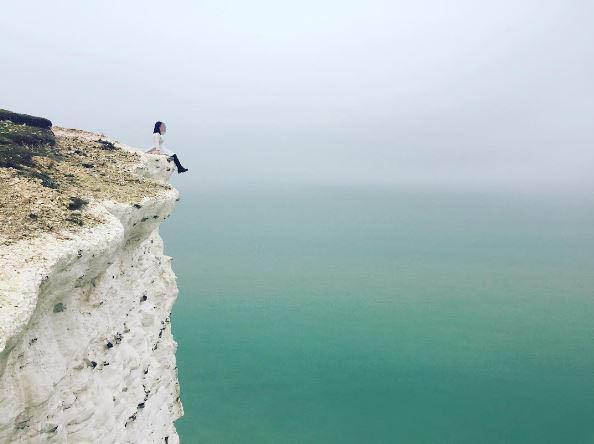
{"x":21,"y":138}
{"x":26,"y":119}
{"x":21,"y":134}
{"x":76,"y":203}
{"x":106,"y":145}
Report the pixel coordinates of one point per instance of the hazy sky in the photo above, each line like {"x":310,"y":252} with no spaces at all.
{"x":460,"y":92}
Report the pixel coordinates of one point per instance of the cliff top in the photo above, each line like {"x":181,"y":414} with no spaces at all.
{"x":49,"y":176}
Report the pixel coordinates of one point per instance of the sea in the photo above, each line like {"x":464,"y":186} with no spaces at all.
{"x":338,"y":314}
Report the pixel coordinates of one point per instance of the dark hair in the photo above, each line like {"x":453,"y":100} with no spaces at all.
{"x":157,"y":128}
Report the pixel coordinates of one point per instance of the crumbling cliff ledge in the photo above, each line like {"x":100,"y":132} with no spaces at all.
{"x":86,"y":350}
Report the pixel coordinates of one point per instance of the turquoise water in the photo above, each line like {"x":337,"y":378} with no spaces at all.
{"x":374,"y":316}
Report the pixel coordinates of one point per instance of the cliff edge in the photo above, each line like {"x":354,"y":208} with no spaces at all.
{"x":86,"y":350}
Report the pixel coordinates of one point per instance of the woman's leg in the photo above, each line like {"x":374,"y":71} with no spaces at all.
{"x":180,"y":168}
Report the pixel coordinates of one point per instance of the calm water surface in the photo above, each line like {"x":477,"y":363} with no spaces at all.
{"x":379,"y":316}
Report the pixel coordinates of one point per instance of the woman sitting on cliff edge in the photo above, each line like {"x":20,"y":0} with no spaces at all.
{"x":159,"y":147}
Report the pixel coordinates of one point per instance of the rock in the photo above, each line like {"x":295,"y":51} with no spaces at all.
{"x":69,"y":292}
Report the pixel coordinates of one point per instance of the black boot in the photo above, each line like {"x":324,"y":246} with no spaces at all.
{"x":180,"y":168}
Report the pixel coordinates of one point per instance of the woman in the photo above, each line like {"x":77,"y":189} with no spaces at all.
{"x":159,"y":147}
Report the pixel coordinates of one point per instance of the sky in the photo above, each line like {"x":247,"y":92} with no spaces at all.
{"x":460,"y":93}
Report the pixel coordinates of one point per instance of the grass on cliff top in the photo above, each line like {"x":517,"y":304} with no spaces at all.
{"x":32,"y":121}
{"x":48,"y":176}
{"x":20,"y":142}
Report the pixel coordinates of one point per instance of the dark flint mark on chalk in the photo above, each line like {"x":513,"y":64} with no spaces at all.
{"x":32,"y":341}
{"x":137,"y":206}
{"x":141,"y":405}
{"x":59,"y":307}
{"x":130,"y":419}
{"x":93,"y":364}
{"x":109,"y":344}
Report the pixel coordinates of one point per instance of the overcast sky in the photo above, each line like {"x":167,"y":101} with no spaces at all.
{"x":459,"y":92}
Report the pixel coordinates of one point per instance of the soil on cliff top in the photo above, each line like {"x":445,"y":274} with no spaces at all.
{"x":49,"y":175}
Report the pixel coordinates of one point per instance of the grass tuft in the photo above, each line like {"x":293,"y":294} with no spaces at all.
{"x":76,"y":203}
{"x":26,"y":119}
{"x":22,"y":138}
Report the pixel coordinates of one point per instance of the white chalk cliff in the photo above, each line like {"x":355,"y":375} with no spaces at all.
{"x":86,"y":349}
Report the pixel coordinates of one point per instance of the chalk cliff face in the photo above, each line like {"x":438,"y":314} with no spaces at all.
{"x":86,"y":350}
